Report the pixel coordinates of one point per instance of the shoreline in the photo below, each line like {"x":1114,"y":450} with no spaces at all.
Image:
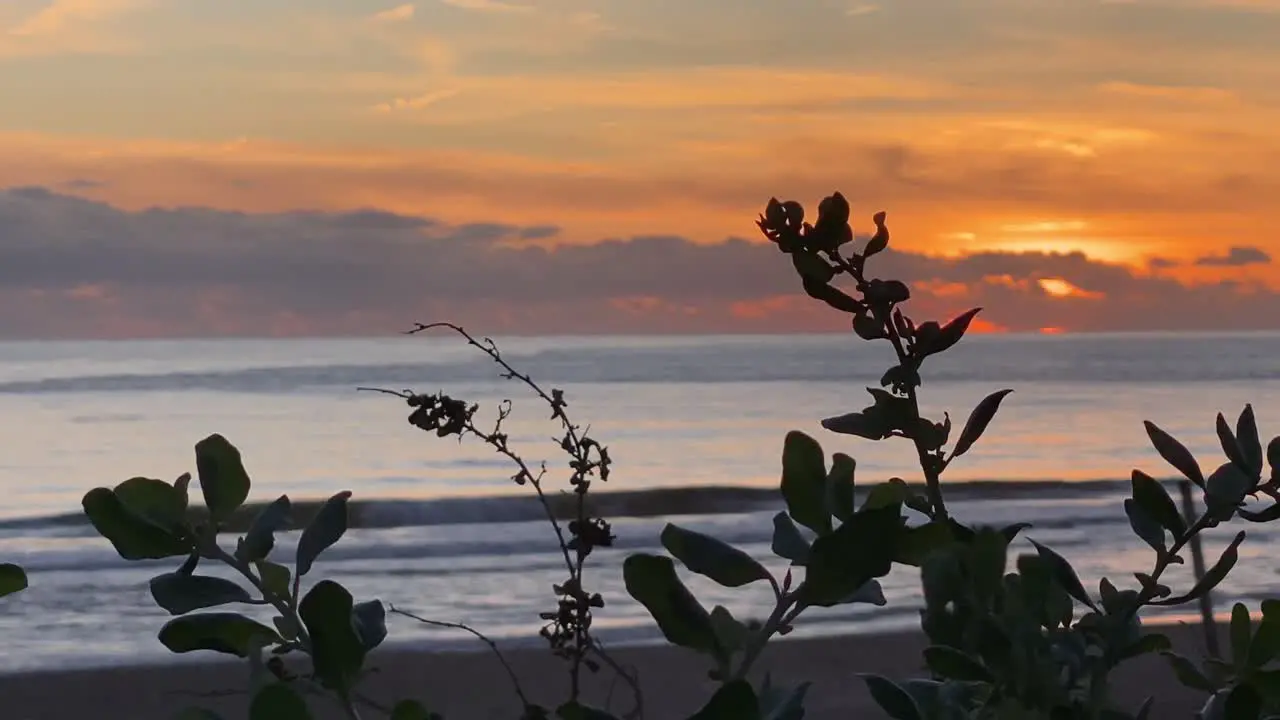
{"x":471,"y":684}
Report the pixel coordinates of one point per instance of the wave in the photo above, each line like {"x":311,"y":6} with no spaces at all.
{"x":770,"y":359}
{"x":389,"y":513}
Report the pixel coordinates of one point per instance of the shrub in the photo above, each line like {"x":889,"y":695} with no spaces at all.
{"x":1002,"y":644}
{"x":1008,"y":639}
{"x":149,"y":519}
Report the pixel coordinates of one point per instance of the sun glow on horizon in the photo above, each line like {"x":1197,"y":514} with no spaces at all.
{"x":1060,"y":288}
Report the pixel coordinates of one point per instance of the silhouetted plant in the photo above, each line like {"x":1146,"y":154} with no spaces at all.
{"x":13,"y":579}
{"x":1003,"y":644}
{"x":567,"y":627}
{"x":149,"y":519}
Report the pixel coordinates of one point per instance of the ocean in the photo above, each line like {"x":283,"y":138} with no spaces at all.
{"x":444,"y":533}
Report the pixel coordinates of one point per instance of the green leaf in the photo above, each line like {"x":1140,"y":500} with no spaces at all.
{"x":652,"y":581}
{"x":222,"y":632}
{"x":779,"y":703}
{"x":223,"y":479}
{"x":337,"y":650}
{"x":278,"y":701}
{"x":286,"y":626}
{"x":734,"y":700}
{"x":731,"y":633}
{"x":328,"y":525}
{"x":1154,"y":500}
{"x":131,"y":536}
{"x":1213,"y":576}
{"x":577,"y":711}
{"x":1265,"y":644}
{"x":892,"y":698}
{"x":813,"y":267}
{"x":12,"y":579}
{"x":371,"y":623}
{"x":261,"y":538}
{"x":978,"y":421}
{"x":1230,"y":446}
{"x":870,"y":423}
{"x":1243,"y":703}
{"x":1227,"y":486}
{"x":412,"y":710}
{"x":1188,"y":674}
{"x":155,"y":501}
{"x":951,"y":664}
{"x":915,"y":544}
{"x":1248,"y":441}
{"x":1241,"y":634}
{"x":1144,"y":526}
{"x":858,"y":551}
{"x":988,"y":557}
{"x":1065,"y":575}
{"x":804,"y":482}
{"x":713,"y":558}
{"x":1147,"y":644}
{"x":179,"y":593}
{"x":275,"y":578}
{"x":1268,"y":684}
{"x":950,"y":334}
{"x":788,"y":543}
{"x":840,"y":487}
{"x":894,"y":491}
{"x":1175,"y":453}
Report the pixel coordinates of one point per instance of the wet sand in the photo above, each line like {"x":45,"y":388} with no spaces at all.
{"x":473,"y":686}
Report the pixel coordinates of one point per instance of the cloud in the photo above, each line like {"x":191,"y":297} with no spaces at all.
{"x":60,"y":14}
{"x":861,"y":9}
{"x":494,"y":6}
{"x":1236,"y":257}
{"x":1180,"y":93}
{"x":76,"y":268}
{"x":400,"y":13}
{"x":684,"y":89}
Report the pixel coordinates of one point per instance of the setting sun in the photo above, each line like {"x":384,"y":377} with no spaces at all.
{"x":1059,"y":288}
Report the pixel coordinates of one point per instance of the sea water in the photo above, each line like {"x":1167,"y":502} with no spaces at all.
{"x":443,"y":532}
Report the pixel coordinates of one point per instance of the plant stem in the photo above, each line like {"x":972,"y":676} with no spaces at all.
{"x":930,"y":468}
{"x":511,"y":673}
{"x":282,"y":605}
{"x":779,"y":617}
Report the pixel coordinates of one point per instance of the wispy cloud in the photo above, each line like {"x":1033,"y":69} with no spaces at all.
{"x":497,"y":6}
{"x":400,"y":13}
{"x":712,"y":87}
{"x":1236,"y":257}
{"x":417,"y":102}
{"x":61,"y":14}
{"x":1182,"y":93}
{"x":861,"y":9}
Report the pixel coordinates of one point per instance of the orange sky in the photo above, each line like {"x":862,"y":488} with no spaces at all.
{"x":1139,"y":133}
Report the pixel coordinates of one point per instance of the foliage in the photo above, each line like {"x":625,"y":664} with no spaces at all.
{"x":1011,"y":636}
{"x":13,"y":579}
{"x":1027,"y":641}
{"x":149,"y":519}
{"x":567,"y":625}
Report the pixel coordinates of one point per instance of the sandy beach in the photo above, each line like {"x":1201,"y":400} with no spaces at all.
{"x":472,"y":686}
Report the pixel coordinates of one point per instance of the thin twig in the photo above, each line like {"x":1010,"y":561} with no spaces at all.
{"x":578,"y":449}
{"x":637,"y":713}
{"x":511,"y":673}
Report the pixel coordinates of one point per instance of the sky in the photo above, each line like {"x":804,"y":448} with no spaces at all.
{"x":196,"y":168}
